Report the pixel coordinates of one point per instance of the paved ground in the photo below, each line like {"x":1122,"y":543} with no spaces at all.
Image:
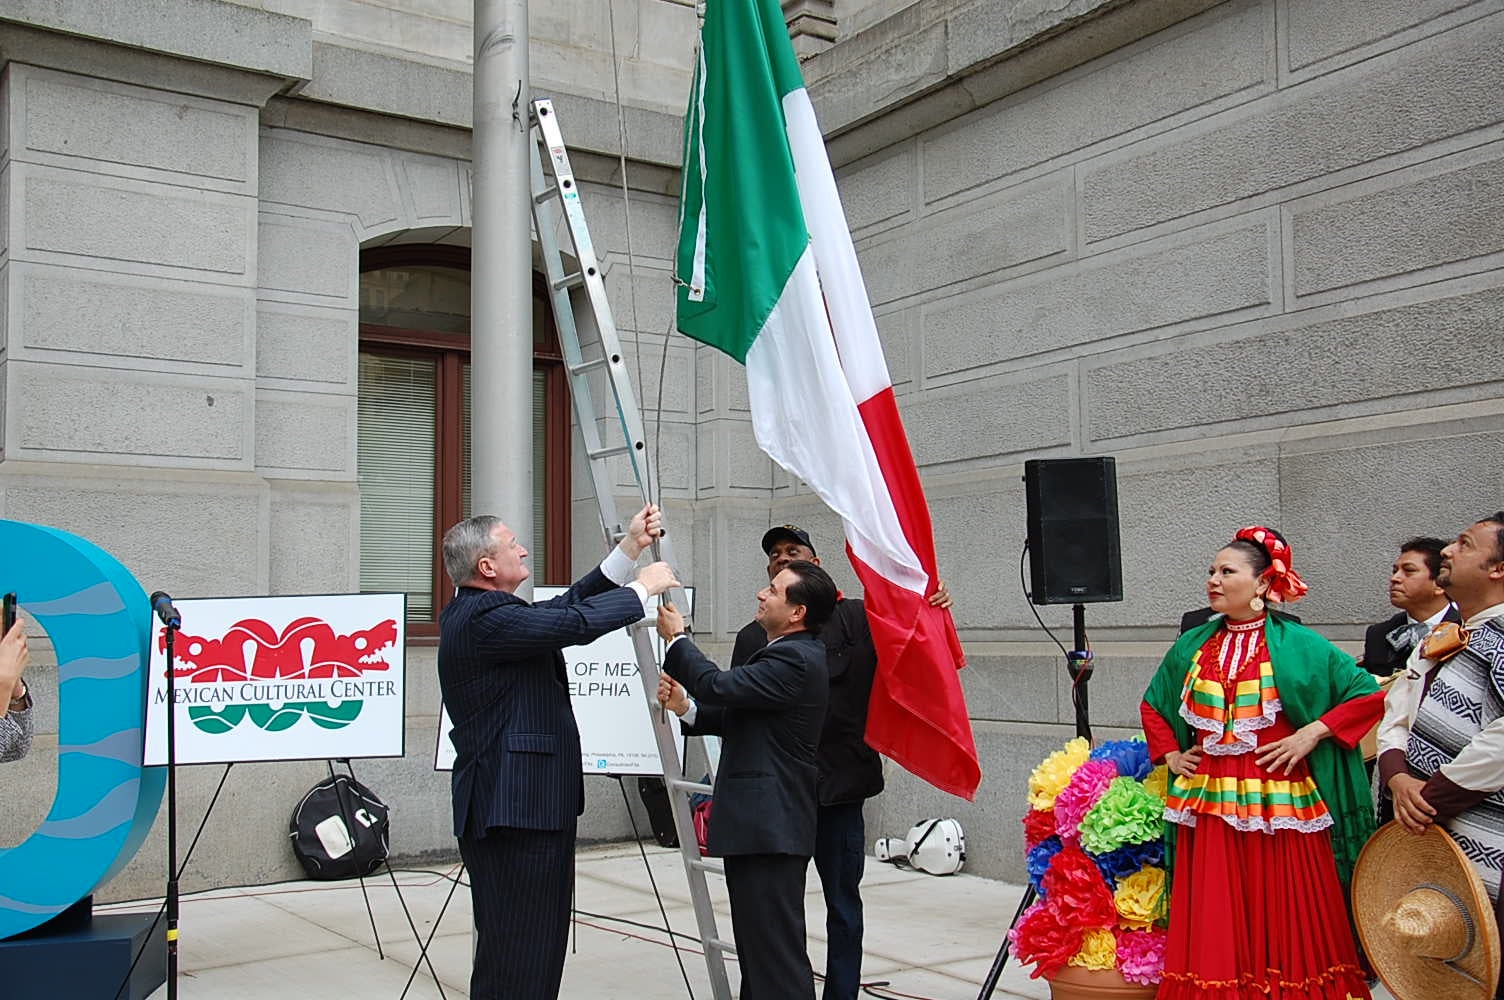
{"x":927,"y":937}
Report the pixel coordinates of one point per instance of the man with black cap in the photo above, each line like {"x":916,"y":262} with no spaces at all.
{"x":850,"y":771}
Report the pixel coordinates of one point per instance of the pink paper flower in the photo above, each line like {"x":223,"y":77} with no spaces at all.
{"x":1141,"y":955}
{"x":1080,"y":794}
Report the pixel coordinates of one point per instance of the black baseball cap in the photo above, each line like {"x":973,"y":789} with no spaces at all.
{"x":786,"y":533}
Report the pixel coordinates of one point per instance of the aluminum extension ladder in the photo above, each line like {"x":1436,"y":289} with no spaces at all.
{"x":578,"y":296}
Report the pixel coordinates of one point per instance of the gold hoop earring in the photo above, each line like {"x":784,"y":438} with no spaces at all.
{"x":1257,"y":604}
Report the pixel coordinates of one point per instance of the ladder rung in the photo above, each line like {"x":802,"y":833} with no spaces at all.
{"x":615,"y":449}
{"x":585,"y":366}
{"x":685,"y":785}
{"x":719,"y":945}
{"x":551,"y":191}
{"x":708,"y":866}
{"x":572,"y":280}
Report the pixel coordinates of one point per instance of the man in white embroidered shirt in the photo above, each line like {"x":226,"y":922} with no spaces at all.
{"x":1441,"y":743}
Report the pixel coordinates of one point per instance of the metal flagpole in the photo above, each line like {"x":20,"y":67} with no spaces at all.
{"x":501,"y":289}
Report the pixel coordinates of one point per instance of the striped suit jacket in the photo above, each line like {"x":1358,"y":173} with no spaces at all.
{"x":501,"y":671}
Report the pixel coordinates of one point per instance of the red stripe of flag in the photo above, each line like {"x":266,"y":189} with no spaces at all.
{"x":917,"y":715}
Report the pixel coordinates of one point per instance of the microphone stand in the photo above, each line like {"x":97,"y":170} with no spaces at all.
{"x":171,"y":901}
{"x":1078,"y":664}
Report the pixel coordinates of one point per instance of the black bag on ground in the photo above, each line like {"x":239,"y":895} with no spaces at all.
{"x":654,"y":794}
{"x":339,"y":830}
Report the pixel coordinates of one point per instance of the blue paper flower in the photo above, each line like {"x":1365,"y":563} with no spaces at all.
{"x":1039,"y":858}
{"x":1129,"y":858}
{"x":1130,"y":756}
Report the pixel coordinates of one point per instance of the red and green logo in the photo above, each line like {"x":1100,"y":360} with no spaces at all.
{"x":308,"y":671}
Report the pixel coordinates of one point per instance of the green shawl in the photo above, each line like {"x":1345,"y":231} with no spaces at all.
{"x":1312,"y":677}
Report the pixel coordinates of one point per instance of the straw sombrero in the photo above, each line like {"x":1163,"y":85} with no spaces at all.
{"x":1424,"y":916}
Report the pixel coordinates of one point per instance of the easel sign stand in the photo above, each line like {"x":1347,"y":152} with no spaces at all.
{"x":326,"y":681}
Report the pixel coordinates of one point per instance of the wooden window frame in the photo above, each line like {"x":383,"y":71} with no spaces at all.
{"x":451,"y":351}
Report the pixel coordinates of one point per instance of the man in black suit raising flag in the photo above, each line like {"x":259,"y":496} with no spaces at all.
{"x":517,"y":784}
{"x":769,"y":711}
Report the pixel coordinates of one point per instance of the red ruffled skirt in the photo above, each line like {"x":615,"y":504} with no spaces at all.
{"x":1258,"y":916}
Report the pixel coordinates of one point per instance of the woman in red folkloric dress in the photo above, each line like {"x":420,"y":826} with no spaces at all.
{"x":1258,"y":718}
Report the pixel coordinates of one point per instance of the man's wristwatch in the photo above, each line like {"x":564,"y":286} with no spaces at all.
{"x":22,"y":703}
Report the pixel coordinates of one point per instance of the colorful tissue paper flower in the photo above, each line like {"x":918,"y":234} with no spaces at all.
{"x":1038,"y":861}
{"x":1046,"y":938}
{"x":1051,"y":776}
{"x":1126,"y":813}
{"x":1038,"y":825}
{"x":1085,"y":788}
{"x":1141,"y":955}
{"x":1095,"y":855}
{"x":1130,"y":756}
{"x":1074,"y":888}
{"x":1140,"y":898}
{"x":1158,"y":782}
{"x":1128,"y":859}
{"x":1099,"y":950}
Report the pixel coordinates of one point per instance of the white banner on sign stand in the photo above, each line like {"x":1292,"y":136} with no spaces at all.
{"x":614,"y":719}
{"x":282,"y":678}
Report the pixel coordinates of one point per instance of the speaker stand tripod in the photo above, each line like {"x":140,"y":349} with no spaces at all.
{"x":1078,"y":665}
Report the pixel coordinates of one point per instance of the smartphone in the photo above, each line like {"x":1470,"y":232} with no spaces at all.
{"x":10,"y":612}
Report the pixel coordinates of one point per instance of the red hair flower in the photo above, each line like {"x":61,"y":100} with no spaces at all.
{"x":1285,"y":584}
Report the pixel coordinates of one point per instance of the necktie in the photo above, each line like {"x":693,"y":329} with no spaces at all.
{"x":1408,"y":635}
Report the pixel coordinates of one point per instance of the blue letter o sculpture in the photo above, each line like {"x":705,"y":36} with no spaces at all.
{"x":98,"y":619}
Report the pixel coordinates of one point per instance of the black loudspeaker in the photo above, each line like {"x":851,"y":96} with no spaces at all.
{"x":1075,"y":554}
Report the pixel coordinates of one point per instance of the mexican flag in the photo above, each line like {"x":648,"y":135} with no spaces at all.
{"x":768,"y":274}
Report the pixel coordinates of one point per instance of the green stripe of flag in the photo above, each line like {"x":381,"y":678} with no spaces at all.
{"x":748,"y":202}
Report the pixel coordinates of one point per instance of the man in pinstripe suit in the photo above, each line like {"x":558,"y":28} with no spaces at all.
{"x":517,"y":785}
{"x":769,"y":710}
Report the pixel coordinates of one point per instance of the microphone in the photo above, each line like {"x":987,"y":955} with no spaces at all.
{"x":161,"y":603}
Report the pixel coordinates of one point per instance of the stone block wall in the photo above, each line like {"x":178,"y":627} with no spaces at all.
{"x":178,"y":363}
{"x":1251,"y":248}
{"x":1253,"y":254}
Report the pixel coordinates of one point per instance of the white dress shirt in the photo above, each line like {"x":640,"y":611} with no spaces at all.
{"x":621,"y":569}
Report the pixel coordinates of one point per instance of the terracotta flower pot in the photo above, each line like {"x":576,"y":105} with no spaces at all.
{"x":1076,"y":983}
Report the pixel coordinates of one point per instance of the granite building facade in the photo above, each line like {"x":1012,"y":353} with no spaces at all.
{"x":1251,"y":248}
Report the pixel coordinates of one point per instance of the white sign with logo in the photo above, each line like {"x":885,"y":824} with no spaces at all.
{"x":610,"y":708}
{"x":282,"y":678}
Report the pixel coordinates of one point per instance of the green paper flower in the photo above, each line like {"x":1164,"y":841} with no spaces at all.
{"x":1127,"y":813}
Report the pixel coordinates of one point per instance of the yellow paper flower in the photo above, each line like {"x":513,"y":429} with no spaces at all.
{"x":1051,"y":777}
{"x":1158,"y":781}
{"x":1099,"y":950}
{"x":1140,"y":898}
